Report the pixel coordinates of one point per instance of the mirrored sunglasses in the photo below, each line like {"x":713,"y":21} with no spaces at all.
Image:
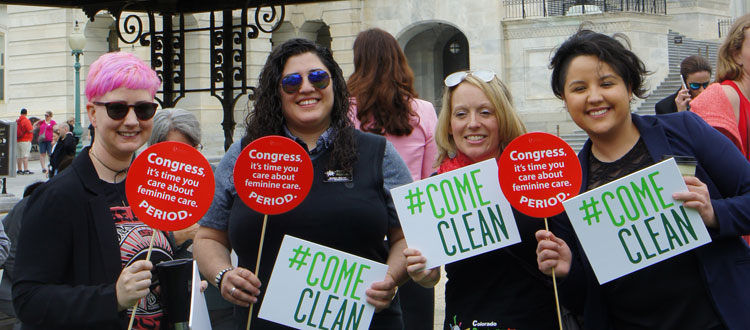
{"x":456,"y":78}
{"x":293,"y":82}
{"x":696,"y":86}
{"x":118,"y":110}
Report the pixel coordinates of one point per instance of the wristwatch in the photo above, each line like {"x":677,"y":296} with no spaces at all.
{"x":220,"y":276}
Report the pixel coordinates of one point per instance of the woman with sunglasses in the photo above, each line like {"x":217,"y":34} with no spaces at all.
{"x":384,"y":102}
{"x":476,"y":122}
{"x":696,"y":72}
{"x":302,"y":95}
{"x":79,"y":263}
{"x":46,"y":128}
{"x":704,"y":288}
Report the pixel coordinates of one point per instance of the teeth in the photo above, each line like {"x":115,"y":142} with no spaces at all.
{"x":598,"y":112}
{"x":308,"y":102}
{"x":474,"y":137}
{"x":128,"y":133}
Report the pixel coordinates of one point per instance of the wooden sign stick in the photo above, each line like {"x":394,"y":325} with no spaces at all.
{"x":257,"y":267}
{"x":554,"y":285}
{"x":148,"y":256}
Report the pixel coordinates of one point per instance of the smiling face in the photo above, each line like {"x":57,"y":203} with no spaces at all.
{"x":597,"y":98}
{"x":473,"y":123}
{"x":119,"y":139}
{"x":308,"y":111}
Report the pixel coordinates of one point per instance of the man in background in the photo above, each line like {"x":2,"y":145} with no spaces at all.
{"x":24,"y":134}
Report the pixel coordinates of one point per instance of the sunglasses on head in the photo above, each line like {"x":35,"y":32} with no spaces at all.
{"x":119,"y":109}
{"x":695,"y":86}
{"x":293,"y":82}
{"x":456,"y":78}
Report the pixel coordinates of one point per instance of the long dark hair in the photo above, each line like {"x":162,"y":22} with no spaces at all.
{"x":267,"y":118}
{"x":607,"y":49}
{"x":383,"y":83}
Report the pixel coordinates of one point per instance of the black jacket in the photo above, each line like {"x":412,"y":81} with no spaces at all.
{"x":666,"y":105}
{"x":68,"y":258}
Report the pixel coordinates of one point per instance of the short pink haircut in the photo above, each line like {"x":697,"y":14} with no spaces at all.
{"x":120,"y":69}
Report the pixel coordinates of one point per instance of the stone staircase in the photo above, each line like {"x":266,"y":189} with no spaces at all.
{"x":677,"y":52}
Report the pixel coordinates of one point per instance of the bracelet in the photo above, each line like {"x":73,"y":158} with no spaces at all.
{"x":220,"y":276}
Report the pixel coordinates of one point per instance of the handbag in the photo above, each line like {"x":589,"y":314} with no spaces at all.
{"x":41,"y":138}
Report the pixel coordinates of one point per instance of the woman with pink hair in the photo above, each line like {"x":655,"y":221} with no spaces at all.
{"x":87,"y":272}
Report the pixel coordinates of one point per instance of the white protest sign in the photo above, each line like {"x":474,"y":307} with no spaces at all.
{"x":199,"y":319}
{"x":456,"y":215}
{"x":632,"y":223}
{"x":316,"y":287}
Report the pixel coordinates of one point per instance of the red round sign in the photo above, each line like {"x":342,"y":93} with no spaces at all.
{"x":273,"y":175}
{"x":170,"y":186}
{"x":538,"y":171}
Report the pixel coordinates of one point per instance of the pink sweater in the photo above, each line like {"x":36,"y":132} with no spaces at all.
{"x":418,"y":149}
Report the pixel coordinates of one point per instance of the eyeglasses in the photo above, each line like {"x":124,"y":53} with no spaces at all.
{"x":293,"y":82}
{"x":118,"y":110}
{"x":456,"y":78}
{"x":696,"y":86}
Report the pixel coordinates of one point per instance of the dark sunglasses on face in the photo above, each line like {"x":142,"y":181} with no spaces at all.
{"x":293,"y":82}
{"x":118,"y":110}
{"x":696,"y":86}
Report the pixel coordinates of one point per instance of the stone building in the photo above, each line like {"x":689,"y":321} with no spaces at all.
{"x":514,"y":38}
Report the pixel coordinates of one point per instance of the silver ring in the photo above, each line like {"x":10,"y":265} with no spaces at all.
{"x":231,"y":292}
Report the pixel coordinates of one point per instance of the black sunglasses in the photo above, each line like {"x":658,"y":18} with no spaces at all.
{"x":696,"y":86}
{"x":293,"y":82}
{"x":119,"y":109}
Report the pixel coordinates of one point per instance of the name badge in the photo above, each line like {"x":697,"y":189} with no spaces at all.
{"x":337,"y":176}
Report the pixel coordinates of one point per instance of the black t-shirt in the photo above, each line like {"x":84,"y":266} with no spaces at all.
{"x":668,"y":295}
{"x":134,"y":239}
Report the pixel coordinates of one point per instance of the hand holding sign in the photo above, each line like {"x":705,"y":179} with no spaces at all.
{"x":538,"y":172}
{"x":272,"y":175}
{"x":169,"y":187}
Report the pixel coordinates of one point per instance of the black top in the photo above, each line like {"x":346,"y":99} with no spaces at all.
{"x":351,"y":217}
{"x":501,"y":289}
{"x":663,"y":300}
{"x":666,"y":105}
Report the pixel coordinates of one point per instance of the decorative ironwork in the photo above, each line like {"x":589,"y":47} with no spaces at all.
{"x":543,"y":8}
{"x":228,"y":53}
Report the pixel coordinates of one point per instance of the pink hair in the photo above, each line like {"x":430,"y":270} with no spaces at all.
{"x":120,"y":69}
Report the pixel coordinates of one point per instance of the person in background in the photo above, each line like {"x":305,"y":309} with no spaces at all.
{"x":704,"y":288}
{"x":384,"y":102}
{"x":725,"y":106}
{"x":24,"y":134}
{"x":89,"y":269}
{"x":64,"y":149}
{"x":46,"y":128}
{"x":696,"y":71}
{"x":302,"y":95}
{"x":476,"y":123}
{"x":12,"y":224}
{"x":174,"y":124}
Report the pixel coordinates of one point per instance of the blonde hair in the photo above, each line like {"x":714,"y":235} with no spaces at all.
{"x":727,"y":67}
{"x":509,"y":124}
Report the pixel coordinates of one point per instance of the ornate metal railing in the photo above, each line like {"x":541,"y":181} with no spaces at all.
{"x":724,"y":25}
{"x":228,"y":52}
{"x":515,"y":9}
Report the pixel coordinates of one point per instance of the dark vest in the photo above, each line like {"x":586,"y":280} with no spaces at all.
{"x":350,"y":217}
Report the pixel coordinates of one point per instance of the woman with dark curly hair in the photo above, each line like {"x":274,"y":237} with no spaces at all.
{"x":704,"y":288}
{"x":302,"y":95}
{"x":384,"y":102}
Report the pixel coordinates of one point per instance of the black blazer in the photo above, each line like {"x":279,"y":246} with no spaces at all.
{"x":666,"y":105}
{"x":68,"y":258}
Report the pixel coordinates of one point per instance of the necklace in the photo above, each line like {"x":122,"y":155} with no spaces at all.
{"x":114,"y":179}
